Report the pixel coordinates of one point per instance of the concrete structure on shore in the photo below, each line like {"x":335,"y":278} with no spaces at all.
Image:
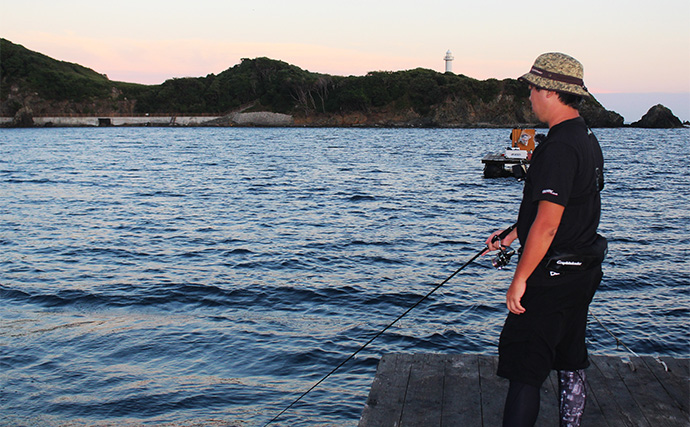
{"x":234,"y":119}
{"x":114,"y":121}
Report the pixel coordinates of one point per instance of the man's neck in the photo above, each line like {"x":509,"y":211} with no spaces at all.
{"x":562,"y":114}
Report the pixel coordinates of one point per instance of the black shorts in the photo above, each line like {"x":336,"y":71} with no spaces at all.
{"x":550,"y":334}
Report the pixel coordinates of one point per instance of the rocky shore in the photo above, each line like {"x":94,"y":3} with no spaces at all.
{"x":657,"y":117}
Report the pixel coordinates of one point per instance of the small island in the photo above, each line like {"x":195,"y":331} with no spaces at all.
{"x":658,"y":117}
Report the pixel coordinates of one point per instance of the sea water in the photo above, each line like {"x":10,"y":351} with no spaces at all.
{"x":210,"y":276}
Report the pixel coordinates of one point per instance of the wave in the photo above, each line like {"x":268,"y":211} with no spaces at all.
{"x":172,"y":275}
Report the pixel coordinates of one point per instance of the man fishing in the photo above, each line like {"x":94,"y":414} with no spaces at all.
{"x":559,"y":268}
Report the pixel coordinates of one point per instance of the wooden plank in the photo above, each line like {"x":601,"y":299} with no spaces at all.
{"x":424,"y":396}
{"x":680,"y":367}
{"x":385,"y":402}
{"x":461,"y":392}
{"x":649,"y":395}
{"x":450,"y":390}
{"x":615,"y":402}
{"x":673,"y":376}
{"x":493,"y":392}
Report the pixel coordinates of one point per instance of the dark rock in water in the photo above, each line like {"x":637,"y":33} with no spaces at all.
{"x":658,"y":117}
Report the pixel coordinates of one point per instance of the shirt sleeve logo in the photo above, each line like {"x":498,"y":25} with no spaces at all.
{"x":549,"y":191}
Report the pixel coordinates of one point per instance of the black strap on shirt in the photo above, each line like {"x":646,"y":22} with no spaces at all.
{"x":598,"y":175}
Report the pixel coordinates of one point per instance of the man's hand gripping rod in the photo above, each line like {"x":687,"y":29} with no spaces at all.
{"x":503,"y":257}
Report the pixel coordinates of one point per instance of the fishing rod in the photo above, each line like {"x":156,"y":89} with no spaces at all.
{"x":499,"y":237}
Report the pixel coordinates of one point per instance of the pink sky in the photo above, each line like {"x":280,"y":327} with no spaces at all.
{"x":635,"y":47}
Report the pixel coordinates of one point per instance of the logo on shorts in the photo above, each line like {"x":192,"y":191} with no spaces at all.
{"x":571,"y":263}
{"x":554,"y":273}
{"x":549,"y":191}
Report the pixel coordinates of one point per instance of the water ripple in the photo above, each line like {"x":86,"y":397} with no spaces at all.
{"x":210,"y":276}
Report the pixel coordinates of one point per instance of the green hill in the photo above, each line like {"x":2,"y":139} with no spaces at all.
{"x":47,"y":86}
{"x":35,"y":83}
{"x":57,"y":80}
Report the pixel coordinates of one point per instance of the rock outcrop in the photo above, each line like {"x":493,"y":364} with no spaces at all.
{"x":599,"y":117}
{"x":658,"y":117}
{"x":24,"y":118}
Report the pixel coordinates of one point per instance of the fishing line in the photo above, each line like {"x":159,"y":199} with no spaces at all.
{"x":619,"y":342}
{"x":486,"y":248}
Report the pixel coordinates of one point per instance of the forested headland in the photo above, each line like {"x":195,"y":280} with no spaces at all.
{"x":33,"y":84}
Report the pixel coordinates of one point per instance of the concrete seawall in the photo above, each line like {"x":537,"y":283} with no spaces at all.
{"x":115,"y":121}
{"x":235,"y":119}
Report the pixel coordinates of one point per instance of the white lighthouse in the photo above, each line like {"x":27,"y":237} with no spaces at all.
{"x":449,"y":62}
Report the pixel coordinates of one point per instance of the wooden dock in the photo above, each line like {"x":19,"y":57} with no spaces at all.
{"x":463,"y":390}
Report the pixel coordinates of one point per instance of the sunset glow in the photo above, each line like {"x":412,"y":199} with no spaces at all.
{"x":635,"y":47}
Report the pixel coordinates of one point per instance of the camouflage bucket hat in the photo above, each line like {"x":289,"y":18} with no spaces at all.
{"x":558,"y":72}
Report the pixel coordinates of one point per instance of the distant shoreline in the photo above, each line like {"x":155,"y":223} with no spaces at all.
{"x":252,"y":120}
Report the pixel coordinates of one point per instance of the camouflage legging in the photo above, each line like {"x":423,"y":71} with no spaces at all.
{"x":572,"y":397}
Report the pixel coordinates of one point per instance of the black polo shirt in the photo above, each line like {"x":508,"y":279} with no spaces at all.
{"x":562,"y":171}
